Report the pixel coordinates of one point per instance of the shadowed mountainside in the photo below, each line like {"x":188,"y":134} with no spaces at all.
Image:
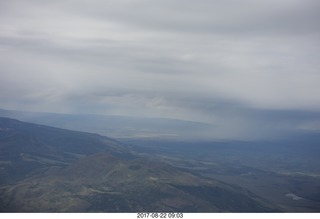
{"x":45,"y":169}
{"x":26,"y":148}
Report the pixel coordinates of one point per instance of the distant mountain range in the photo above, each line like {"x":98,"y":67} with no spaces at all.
{"x":46,"y":169}
{"x":116,"y":126}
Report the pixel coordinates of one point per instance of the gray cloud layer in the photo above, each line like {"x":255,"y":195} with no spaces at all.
{"x":222,"y":62}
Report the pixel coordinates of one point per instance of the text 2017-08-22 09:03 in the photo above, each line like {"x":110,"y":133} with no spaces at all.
{"x":159,"y":215}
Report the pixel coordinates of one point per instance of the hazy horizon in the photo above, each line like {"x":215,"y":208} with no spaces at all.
{"x":248,"y":68}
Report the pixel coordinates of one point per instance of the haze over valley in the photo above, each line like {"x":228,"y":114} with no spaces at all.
{"x":47,"y":169}
{"x":164,"y":105}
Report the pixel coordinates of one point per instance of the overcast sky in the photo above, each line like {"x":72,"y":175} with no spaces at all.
{"x":241,"y":65}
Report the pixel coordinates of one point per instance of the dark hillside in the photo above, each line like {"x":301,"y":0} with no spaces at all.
{"x":46,"y":169}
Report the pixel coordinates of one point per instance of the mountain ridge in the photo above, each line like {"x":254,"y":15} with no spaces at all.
{"x":114,"y":126}
{"x":56,"y":176}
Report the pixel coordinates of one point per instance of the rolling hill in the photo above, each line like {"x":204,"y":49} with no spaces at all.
{"x":46,"y":169}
